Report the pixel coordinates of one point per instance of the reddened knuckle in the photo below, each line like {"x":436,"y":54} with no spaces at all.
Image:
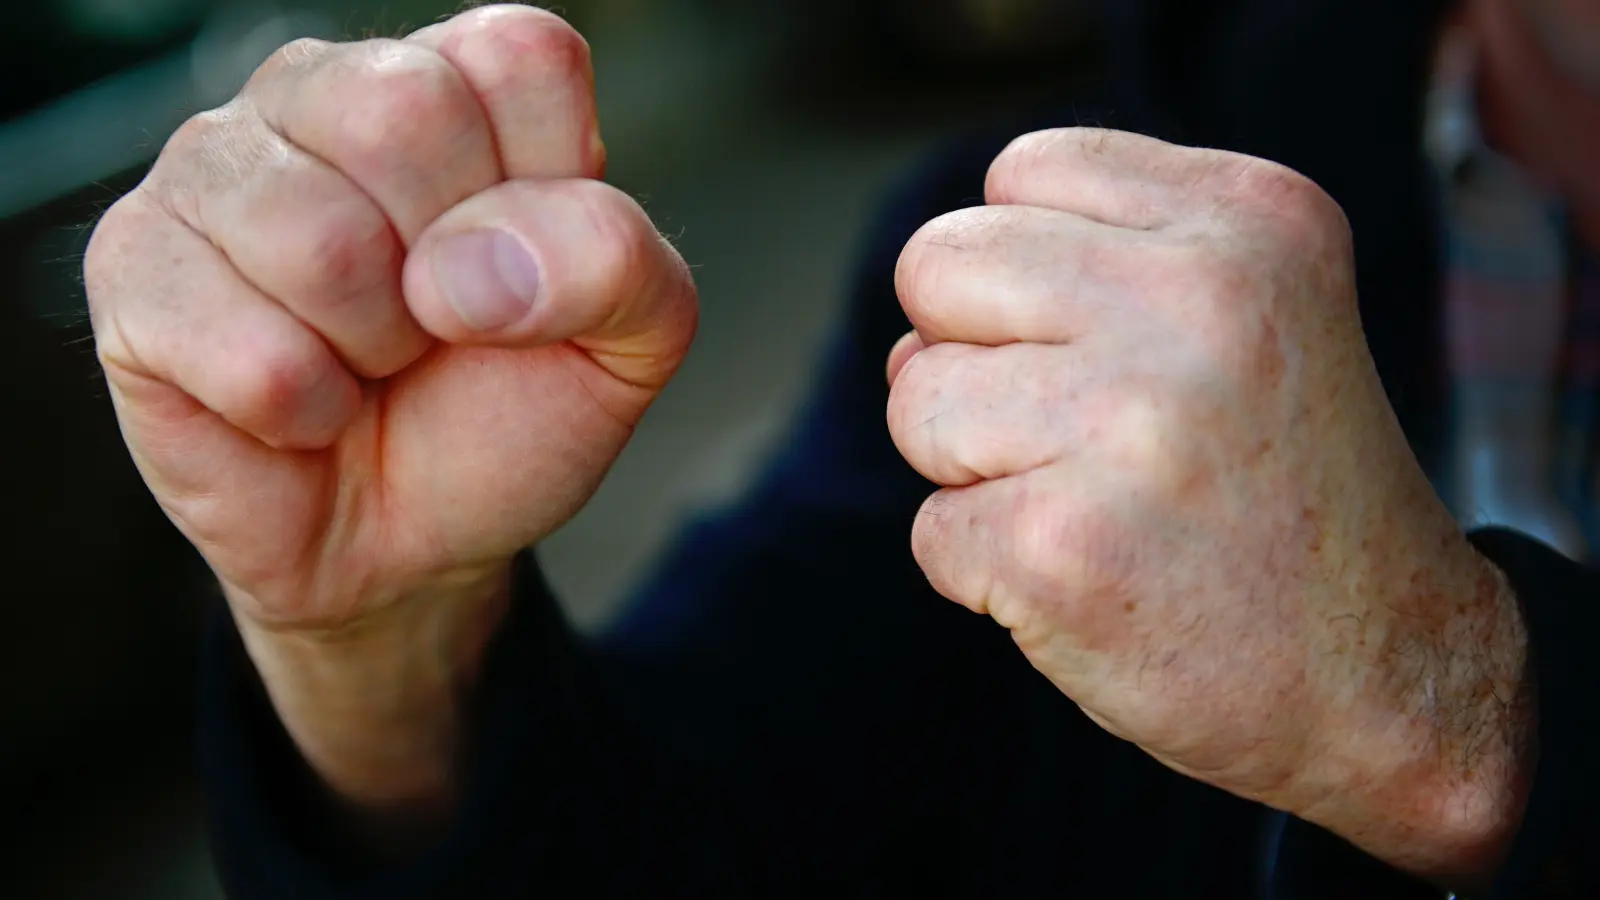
{"x":512,"y":16}
{"x":515,"y":37}
{"x":542,"y":35}
{"x":276,"y":381}
{"x":559,"y":46}
{"x":347,"y":245}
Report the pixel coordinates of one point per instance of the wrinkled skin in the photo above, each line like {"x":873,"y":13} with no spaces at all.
{"x":306,"y":405}
{"x":1172,"y":473}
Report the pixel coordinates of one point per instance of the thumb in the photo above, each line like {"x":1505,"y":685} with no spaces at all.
{"x":528,"y":263}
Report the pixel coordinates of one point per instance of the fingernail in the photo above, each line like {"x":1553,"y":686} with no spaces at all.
{"x":488,"y":276}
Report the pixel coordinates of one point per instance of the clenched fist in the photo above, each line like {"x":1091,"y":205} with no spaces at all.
{"x":370,"y":329}
{"x":1172,"y":473}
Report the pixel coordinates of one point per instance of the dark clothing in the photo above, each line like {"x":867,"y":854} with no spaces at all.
{"x":788,"y":709}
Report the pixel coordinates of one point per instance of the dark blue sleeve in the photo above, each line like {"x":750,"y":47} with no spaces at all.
{"x":566,"y":795}
{"x":1552,"y":858}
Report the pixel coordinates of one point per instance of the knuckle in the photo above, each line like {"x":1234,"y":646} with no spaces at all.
{"x":277,"y":381}
{"x":1264,"y":182}
{"x":408,"y":96}
{"x":519,"y":35}
{"x":109,"y":246}
{"x":1066,"y":551}
{"x":195,"y":133}
{"x":296,"y":56}
{"x":914,"y":393}
{"x":1300,"y":210}
{"x":917,"y":268}
{"x":1035,"y":155}
{"x":927,"y":257}
{"x":931,"y":535}
{"x":123,"y":241}
{"x":931,"y":416}
{"x":1024,"y":158}
{"x":209,"y":150}
{"x":338,"y":250}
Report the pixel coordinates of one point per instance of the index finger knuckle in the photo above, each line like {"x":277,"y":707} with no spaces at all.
{"x":514,"y":37}
{"x":407,"y":96}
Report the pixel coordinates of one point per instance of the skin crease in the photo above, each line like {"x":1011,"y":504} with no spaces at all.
{"x":1172,"y":471}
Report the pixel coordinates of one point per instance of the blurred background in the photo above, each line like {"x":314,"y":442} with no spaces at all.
{"x":718,"y":114}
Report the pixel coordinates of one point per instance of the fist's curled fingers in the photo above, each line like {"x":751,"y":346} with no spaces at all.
{"x":1141,"y":183}
{"x":963,"y":538}
{"x":200,"y":328}
{"x":536,"y":262}
{"x":532,"y":73}
{"x":994,"y":275}
{"x":962,"y":414}
{"x":902,"y":352}
{"x":298,"y":230}
{"x":1114,"y":177}
{"x":395,"y":118}
{"x":1034,"y":554}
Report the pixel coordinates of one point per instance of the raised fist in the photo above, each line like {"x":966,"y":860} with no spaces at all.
{"x":375,"y":325}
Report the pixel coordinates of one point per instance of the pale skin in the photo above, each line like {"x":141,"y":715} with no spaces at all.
{"x":1170,"y":470}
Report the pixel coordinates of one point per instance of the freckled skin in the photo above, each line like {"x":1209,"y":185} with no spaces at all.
{"x":1211,"y":534}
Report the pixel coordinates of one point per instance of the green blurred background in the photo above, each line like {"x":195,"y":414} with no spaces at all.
{"x":759,"y":133}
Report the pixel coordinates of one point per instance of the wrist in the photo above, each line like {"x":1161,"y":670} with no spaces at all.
{"x":1484,"y":738}
{"x":1447,"y":799}
{"x":377,"y":705}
